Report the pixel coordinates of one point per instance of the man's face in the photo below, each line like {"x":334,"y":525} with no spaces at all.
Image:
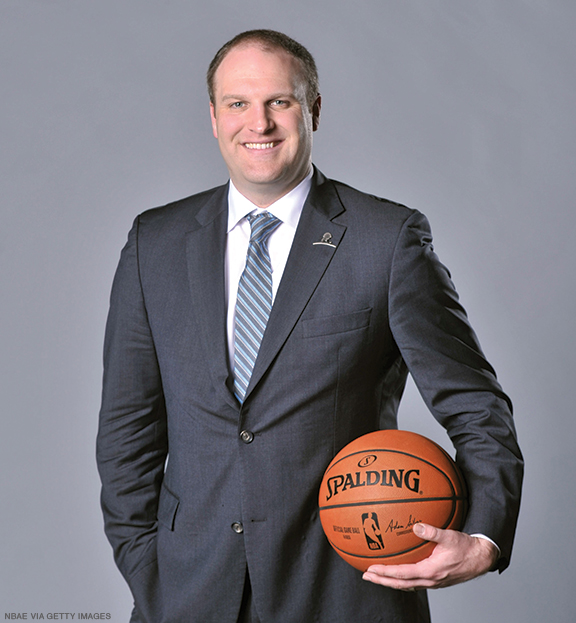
{"x":262,"y":121}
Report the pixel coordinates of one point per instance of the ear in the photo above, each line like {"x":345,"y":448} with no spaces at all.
{"x":316,"y":113}
{"x":213,"y":119}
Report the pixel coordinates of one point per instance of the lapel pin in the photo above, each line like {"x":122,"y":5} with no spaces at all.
{"x":326,"y":240}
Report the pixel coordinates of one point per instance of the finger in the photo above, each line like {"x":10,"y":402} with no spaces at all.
{"x":400,"y":584}
{"x":397,"y":572}
{"x":428,"y":533}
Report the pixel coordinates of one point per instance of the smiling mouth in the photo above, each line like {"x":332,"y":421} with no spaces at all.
{"x":261,"y":145}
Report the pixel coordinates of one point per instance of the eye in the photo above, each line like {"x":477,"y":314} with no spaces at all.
{"x":279,"y":103}
{"x":236,"y":105}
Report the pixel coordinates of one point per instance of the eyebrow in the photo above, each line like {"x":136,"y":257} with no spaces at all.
{"x":272,"y":97}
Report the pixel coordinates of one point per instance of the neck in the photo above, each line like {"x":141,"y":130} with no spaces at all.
{"x":265,"y":195}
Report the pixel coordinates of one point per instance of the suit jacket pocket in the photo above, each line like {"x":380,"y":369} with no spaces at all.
{"x":167,"y":507}
{"x":329,"y":325}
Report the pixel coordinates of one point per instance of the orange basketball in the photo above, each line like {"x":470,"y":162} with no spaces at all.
{"x":379,"y":486}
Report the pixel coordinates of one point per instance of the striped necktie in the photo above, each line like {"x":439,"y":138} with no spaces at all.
{"x":254,"y":301}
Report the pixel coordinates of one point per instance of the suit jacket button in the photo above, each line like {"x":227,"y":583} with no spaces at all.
{"x":238,"y":527}
{"x":247,"y":436}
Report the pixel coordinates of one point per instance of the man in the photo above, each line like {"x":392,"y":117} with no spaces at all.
{"x":254,"y":330}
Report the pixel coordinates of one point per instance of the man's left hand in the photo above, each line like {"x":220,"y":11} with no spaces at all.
{"x":457,"y":557}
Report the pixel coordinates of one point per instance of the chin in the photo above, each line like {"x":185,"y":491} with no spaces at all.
{"x":262,"y":177}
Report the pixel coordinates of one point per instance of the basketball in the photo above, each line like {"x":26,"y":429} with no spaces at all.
{"x":379,"y":486}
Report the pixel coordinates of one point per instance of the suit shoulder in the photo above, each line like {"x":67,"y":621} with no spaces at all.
{"x":355,"y":199}
{"x":183,"y":210}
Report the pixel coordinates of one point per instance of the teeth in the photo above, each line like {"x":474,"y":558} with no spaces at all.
{"x":259,"y":145}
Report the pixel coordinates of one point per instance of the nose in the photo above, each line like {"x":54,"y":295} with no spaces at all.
{"x":261,"y":121}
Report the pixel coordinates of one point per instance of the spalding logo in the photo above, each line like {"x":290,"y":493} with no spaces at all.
{"x":367,"y":460}
{"x":384,"y":478}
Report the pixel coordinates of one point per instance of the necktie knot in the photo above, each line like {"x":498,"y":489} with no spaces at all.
{"x":262,"y":226}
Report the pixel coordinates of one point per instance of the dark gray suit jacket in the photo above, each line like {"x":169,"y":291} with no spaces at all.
{"x":349,"y":320}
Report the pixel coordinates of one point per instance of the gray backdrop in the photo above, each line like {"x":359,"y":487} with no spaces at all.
{"x":461,"y":108}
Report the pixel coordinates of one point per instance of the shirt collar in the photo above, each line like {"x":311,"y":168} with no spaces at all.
{"x":288,"y":208}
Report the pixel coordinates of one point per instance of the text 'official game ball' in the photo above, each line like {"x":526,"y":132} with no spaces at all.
{"x":379,"y":486}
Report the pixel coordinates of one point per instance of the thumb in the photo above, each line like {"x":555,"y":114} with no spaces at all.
{"x":427,"y":532}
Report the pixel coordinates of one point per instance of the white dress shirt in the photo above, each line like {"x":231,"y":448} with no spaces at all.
{"x":287,"y":209}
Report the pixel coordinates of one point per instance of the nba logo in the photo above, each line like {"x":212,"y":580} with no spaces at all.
{"x":372,"y":531}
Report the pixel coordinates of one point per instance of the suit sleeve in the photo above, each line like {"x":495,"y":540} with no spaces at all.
{"x":132,"y":444}
{"x":457,"y":383}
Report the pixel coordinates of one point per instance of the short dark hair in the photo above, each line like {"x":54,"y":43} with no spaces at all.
{"x":270,"y":39}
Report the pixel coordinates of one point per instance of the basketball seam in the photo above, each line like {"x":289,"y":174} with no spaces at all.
{"x":454,"y":498}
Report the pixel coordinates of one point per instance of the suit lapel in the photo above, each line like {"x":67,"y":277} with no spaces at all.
{"x":306,"y":264}
{"x":205,"y":250}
